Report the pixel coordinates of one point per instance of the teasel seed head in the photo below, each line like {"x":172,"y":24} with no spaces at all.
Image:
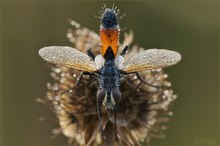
{"x":141,"y":115}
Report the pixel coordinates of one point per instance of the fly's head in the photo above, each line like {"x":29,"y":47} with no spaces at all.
{"x":109,"y":98}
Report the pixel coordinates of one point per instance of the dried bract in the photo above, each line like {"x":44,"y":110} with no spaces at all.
{"x":142,"y":112}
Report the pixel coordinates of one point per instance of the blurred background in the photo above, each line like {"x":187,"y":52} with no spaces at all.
{"x":189,"y":27}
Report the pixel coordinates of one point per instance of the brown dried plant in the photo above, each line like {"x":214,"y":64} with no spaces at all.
{"x":141,"y":115}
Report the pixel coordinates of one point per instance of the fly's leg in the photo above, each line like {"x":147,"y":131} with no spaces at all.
{"x":91,"y":54}
{"x":99,"y":105}
{"x":90,"y":73}
{"x":115,"y":123}
{"x":77,"y":82}
{"x":143,"y":81}
{"x":124,"y":51}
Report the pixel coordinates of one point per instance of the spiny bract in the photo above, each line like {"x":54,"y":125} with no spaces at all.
{"x":140,"y":116}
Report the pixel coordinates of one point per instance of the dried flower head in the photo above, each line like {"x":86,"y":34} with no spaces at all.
{"x":140,"y":116}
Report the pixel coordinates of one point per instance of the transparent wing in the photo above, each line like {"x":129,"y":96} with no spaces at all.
{"x":67,"y":56}
{"x":151,"y":59}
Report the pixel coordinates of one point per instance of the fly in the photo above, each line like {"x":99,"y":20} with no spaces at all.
{"x":109,"y":66}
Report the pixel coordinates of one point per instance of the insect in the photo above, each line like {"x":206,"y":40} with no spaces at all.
{"x":109,"y":66}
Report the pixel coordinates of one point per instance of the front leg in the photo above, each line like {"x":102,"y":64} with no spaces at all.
{"x":91,"y":54}
{"x":143,"y":81}
{"x":77,"y":82}
{"x":124,"y":51}
{"x":122,"y":73}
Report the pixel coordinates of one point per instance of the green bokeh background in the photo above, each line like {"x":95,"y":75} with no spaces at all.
{"x":189,"y":27}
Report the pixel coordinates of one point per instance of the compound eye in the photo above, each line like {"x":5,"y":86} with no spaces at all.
{"x":116,"y":95}
{"x":100,"y":95}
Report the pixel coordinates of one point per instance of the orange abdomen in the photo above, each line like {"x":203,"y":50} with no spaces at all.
{"x":109,"y":37}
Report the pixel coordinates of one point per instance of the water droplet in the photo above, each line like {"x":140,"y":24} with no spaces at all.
{"x":170,"y":113}
{"x":56,"y":131}
{"x":152,"y":121}
{"x":77,"y":25}
{"x":158,"y":70}
{"x":57,"y":98}
{"x":165,"y":75}
{"x":62,"y":80}
{"x":73,"y":22}
{"x":57,"y":70}
{"x":40,"y":100}
{"x":74,"y":75}
{"x":72,"y":39}
{"x":55,"y":87}
{"x":164,"y":97}
{"x":62,"y":74}
{"x":69,"y":35}
{"x":57,"y":107}
{"x":174,"y":97}
{"x":166,"y":92}
{"x":166,"y":83}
